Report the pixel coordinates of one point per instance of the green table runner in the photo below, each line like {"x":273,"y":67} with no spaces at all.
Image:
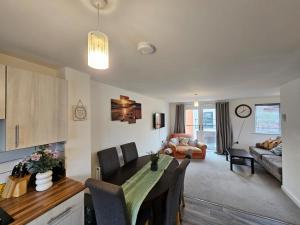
{"x":138,"y":186}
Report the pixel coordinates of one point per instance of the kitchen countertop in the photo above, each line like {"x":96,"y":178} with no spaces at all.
{"x":34,"y":204}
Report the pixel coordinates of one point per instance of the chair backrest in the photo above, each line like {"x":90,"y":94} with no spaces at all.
{"x":174,"y":193}
{"x":129,"y":152}
{"x":108,"y":161}
{"x":109,"y":203}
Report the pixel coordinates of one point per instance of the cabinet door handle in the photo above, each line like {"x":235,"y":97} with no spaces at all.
{"x":59,"y":216}
{"x":16,"y":136}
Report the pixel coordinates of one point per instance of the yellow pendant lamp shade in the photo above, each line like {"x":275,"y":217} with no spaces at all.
{"x":98,"y":56}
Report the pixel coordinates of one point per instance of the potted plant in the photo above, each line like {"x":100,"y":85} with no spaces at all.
{"x":41,"y":163}
{"x":154,"y":159}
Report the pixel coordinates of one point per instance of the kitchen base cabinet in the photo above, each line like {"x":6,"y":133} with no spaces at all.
{"x":70,"y":212}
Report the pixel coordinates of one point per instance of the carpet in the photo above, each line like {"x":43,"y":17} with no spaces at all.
{"x":212,"y":180}
{"x":200,"y":212}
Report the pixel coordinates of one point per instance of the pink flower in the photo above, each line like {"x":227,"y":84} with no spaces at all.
{"x":55,"y":155}
{"x":48,"y":151}
{"x":35,"y":157}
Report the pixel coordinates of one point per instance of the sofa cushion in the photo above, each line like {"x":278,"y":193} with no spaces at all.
{"x":257,"y":153}
{"x":183,"y":141}
{"x":175,"y":140}
{"x":277,"y":150}
{"x":272,"y":163}
{"x":184,"y":149}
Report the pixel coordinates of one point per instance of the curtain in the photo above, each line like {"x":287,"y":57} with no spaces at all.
{"x":179,"y":119}
{"x":224,"y":127}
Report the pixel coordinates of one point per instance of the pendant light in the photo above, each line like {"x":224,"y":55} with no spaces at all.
{"x":98,"y":55}
{"x":196,"y":103}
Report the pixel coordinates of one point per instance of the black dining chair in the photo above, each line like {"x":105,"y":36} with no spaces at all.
{"x":129,"y":152}
{"x":108,"y":161}
{"x":173,"y":197}
{"x":110,"y":206}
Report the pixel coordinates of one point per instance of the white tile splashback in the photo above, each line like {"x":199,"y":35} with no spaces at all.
{"x":5,"y":170}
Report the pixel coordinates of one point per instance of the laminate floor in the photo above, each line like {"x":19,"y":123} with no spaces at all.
{"x":200,"y":212}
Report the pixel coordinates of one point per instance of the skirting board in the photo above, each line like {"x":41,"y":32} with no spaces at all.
{"x":291,"y":196}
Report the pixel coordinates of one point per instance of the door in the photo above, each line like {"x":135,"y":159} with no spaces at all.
{"x":2,"y":91}
{"x":21,"y":109}
{"x":200,"y":122}
{"x":207,"y":131}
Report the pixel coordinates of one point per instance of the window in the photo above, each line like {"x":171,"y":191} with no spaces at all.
{"x":191,"y":122}
{"x":209,"y":119}
{"x":267,"y":118}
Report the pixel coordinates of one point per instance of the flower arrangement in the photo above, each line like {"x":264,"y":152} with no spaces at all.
{"x":42,"y":160}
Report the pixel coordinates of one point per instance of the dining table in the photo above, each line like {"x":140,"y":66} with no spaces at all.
{"x":156,"y":197}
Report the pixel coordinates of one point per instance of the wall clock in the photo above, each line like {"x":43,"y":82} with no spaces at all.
{"x":243,"y":111}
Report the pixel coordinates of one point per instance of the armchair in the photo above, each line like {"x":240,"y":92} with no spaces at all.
{"x":180,"y":149}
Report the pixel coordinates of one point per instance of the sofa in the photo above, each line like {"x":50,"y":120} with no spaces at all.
{"x":193,"y":148}
{"x":271,"y":162}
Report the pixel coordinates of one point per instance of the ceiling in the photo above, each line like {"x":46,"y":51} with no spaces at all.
{"x":219,"y":49}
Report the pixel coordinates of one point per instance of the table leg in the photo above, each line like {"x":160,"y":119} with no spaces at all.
{"x":252,"y":166}
{"x":231,"y":163}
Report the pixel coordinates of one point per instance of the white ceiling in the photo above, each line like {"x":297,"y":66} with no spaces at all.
{"x":219,"y":49}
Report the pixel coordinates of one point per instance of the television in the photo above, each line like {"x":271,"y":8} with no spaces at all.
{"x":158,"y":120}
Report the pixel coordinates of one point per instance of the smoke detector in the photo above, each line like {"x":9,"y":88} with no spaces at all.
{"x":146,"y":48}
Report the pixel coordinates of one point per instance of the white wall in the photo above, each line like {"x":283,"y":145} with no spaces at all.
{"x":248,"y":136}
{"x":290,"y":98}
{"x":107,"y":133}
{"x":78,"y":146}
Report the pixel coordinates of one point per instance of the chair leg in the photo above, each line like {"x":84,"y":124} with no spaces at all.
{"x":178,"y":222}
{"x":182,"y":200}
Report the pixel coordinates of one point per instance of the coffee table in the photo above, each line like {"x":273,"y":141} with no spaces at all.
{"x":240,"y":157}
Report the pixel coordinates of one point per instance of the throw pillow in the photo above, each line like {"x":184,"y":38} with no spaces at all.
{"x":277,"y":150}
{"x":192,"y":142}
{"x":184,"y":141}
{"x":175,"y":141}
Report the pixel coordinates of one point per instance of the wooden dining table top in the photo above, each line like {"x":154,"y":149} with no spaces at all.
{"x":128,"y":170}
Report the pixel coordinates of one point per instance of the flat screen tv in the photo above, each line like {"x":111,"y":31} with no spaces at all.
{"x":158,"y":120}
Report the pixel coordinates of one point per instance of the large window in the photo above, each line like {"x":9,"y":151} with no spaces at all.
{"x":267,"y":118}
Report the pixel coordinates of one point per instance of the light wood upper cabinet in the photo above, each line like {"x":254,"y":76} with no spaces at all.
{"x":36,"y":108}
{"x":21,"y":112}
{"x":2,"y":91}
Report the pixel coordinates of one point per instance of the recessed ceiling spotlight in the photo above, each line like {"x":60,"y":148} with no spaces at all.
{"x":146,"y":48}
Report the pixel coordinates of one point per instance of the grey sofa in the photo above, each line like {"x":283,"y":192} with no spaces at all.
{"x":271,"y":162}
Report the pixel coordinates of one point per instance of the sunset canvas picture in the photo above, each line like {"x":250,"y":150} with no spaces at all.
{"x":124,"y":109}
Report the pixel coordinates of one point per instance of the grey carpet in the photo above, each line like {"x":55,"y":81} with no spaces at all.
{"x":200,"y":212}
{"x":212,"y":180}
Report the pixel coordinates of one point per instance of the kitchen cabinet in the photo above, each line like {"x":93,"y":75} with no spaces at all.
{"x":2,"y":91}
{"x":36,"y":109}
{"x":70,"y":212}
{"x":21,"y":109}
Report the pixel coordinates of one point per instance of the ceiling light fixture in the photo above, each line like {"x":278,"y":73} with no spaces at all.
{"x":196,"y":103}
{"x":98,"y":53}
{"x":146,"y":48}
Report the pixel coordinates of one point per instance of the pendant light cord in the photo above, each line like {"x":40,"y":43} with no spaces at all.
{"x":98,"y":8}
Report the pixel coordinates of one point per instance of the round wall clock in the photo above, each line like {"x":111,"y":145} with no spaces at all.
{"x":243,"y":111}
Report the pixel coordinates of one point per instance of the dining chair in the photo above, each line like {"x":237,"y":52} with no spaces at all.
{"x":109,"y":204}
{"x":174,"y":194}
{"x":129,"y":152}
{"x":108,"y":161}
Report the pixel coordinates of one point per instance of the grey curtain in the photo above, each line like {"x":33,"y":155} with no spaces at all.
{"x":179,"y":119}
{"x":224,"y":127}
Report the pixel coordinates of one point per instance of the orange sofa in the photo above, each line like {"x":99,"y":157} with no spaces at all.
{"x":180,"y":150}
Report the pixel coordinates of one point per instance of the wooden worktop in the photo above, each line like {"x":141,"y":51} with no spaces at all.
{"x":33,"y":204}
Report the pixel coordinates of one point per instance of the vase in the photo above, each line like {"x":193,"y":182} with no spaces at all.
{"x":154,"y":166}
{"x":43,"y":181}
